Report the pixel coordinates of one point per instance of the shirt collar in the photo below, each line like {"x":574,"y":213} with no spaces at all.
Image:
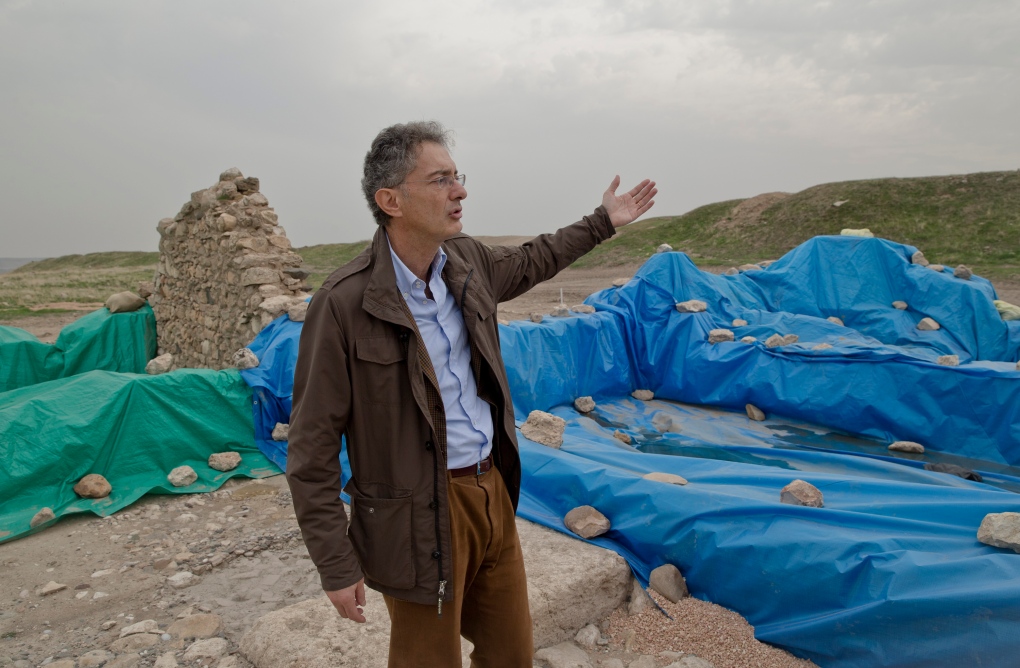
{"x":405,"y":277}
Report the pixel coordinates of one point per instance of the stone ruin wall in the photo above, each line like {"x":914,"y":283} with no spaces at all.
{"x":226,"y":270}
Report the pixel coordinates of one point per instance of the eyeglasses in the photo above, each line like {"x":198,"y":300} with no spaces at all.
{"x":445,"y":182}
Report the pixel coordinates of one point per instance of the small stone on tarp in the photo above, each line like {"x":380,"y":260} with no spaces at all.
{"x":182,"y":476}
{"x":621,"y":436}
{"x":663,"y":248}
{"x":692,"y":306}
{"x":836,"y":321}
{"x":928,"y":325}
{"x":720,"y":335}
{"x":41,"y":517}
{"x":906,"y":446}
{"x":754,"y":412}
{"x":739,"y":322}
{"x":281,"y":432}
{"x":748,"y":339}
{"x":801,"y":493}
{"x":953,"y":469}
{"x":586,"y":522}
{"x":1000,"y":530}
{"x":900,"y":305}
{"x":964,"y":272}
{"x":919,"y":258}
{"x":582,"y":308}
{"x":244,"y":359}
{"x":224,"y":461}
{"x":643,"y":395}
{"x":93,"y":486}
{"x":669,"y":478}
{"x":949,"y":360}
{"x":544,"y":428}
{"x":584,"y":404}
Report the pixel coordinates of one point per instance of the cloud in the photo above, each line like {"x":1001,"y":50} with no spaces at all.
{"x":115,"y":111}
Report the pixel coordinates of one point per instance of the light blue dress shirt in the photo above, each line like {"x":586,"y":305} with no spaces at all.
{"x":441,"y":325}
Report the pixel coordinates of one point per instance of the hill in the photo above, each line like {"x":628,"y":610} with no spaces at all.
{"x":971,"y":219}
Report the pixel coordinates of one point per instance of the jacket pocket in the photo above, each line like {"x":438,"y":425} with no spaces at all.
{"x":381,"y":370}
{"x":380,"y":531}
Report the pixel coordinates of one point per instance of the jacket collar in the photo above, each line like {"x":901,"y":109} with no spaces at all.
{"x":381,"y":293}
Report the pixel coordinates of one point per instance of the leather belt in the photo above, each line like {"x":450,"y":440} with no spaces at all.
{"x":474,"y":469}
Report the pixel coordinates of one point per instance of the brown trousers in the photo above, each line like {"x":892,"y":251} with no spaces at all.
{"x":490,"y":591}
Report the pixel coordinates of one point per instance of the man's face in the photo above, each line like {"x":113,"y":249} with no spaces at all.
{"x":430,"y":210}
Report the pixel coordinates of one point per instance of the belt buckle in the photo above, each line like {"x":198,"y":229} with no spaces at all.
{"x":478,"y":468}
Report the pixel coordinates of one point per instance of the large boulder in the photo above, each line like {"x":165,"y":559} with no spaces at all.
{"x":570,"y":584}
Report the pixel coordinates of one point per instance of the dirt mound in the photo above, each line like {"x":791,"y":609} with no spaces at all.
{"x":748,"y":213}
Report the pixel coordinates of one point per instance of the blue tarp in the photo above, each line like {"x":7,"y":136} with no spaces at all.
{"x":889,"y":572}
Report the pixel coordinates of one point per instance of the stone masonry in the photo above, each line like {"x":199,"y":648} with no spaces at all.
{"x":226,"y":270}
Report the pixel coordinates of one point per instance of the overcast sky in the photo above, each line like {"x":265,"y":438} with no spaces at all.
{"x":113,"y":112}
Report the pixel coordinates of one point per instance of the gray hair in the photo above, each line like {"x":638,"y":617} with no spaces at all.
{"x":394,"y":155}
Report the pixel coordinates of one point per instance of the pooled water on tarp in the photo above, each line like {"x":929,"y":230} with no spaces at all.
{"x":707,"y":432}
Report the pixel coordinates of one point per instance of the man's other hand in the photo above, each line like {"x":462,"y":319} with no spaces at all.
{"x":349,"y":601}
{"x":631,"y":205}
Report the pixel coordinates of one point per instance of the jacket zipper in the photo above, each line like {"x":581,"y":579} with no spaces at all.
{"x":439,"y":544}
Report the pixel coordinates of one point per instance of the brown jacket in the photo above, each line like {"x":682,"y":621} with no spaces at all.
{"x":362,"y":372}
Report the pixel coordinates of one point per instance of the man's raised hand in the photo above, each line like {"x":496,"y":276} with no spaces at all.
{"x":349,"y":601}
{"x":632,"y":204}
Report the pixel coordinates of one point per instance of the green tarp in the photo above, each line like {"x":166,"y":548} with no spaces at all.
{"x":133,"y":429}
{"x":99,"y":340}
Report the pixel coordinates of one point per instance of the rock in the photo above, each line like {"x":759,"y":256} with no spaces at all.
{"x":281,"y":432}
{"x":928,"y":325}
{"x":50,"y":588}
{"x":244,"y":359}
{"x":643,"y":395}
{"x":582,"y":308}
{"x":919,"y":258}
{"x":561,"y":311}
{"x":1000,"y":530}
{"x":953,"y":469}
{"x":836,"y":321}
{"x":210,"y":648}
{"x":544,"y":428}
{"x":692,"y":306}
{"x":93,"y":486}
{"x":840,"y":202}
{"x":95,"y":658}
{"x":663,"y":248}
{"x":247,"y":185}
{"x":739,"y":322}
{"x":937,"y":267}
{"x":42,"y":517}
{"x":144,"y":626}
{"x":276,"y":306}
{"x":644,"y":661}
{"x":691,"y":661}
{"x":103,"y":573}
{"x":732,"y":271}
{"x":584,"y":404}
{"x":134,"y":643}
{"x":536,"y":317}
{"x":822,"y":346}
{"x":259,"y":276}
{"x":183,"y":579}
{"x":623,"y":437}
{"x":775,"y":341}
{"x":229,"y":661}
{"x":588,"y":637}
{"x":664,"y":423}
{"x":161,"y":364}
{"x":790,"y":339}
{"x":902,"y":306}
{"x":167,"y":660}
{"x":297,"y":312}
{"x":863,"y":232}
{"x":748,"y":339}
{"x":564,"y":655}
{"x":668,"y":581}
{"x":231,"y":174}
{"x":720,"y":335}
{"x":182,"y":476}
{"x":106,"y":626}
{"x":224,"y":461}
{"x":299,"y":273}
{"x":145,"y":289}
{"x":744,"y":268}
{"x":949,"y":360}
{"x":754,"y":412}
{"x":611,"y":663}
{"x":801,"y":493}
{"x":196,"y":626}
{"x":963,"y":272}
{"x":161,"y":563}
{"x":59,"y":663}
{"x":586,"y":522}
{"x":124,"y":302}
{"x":907,"y":446}
{"x":98,"y":595}
{"x":669,"y":478}
{"x":620,"y":282}
{"x":639,"y":598}
{"x":125,"y":661}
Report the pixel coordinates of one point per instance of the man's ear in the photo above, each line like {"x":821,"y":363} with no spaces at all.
{"x":389,"y":201}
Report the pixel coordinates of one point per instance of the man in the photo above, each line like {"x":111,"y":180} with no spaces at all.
{"x":400,"y":354}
